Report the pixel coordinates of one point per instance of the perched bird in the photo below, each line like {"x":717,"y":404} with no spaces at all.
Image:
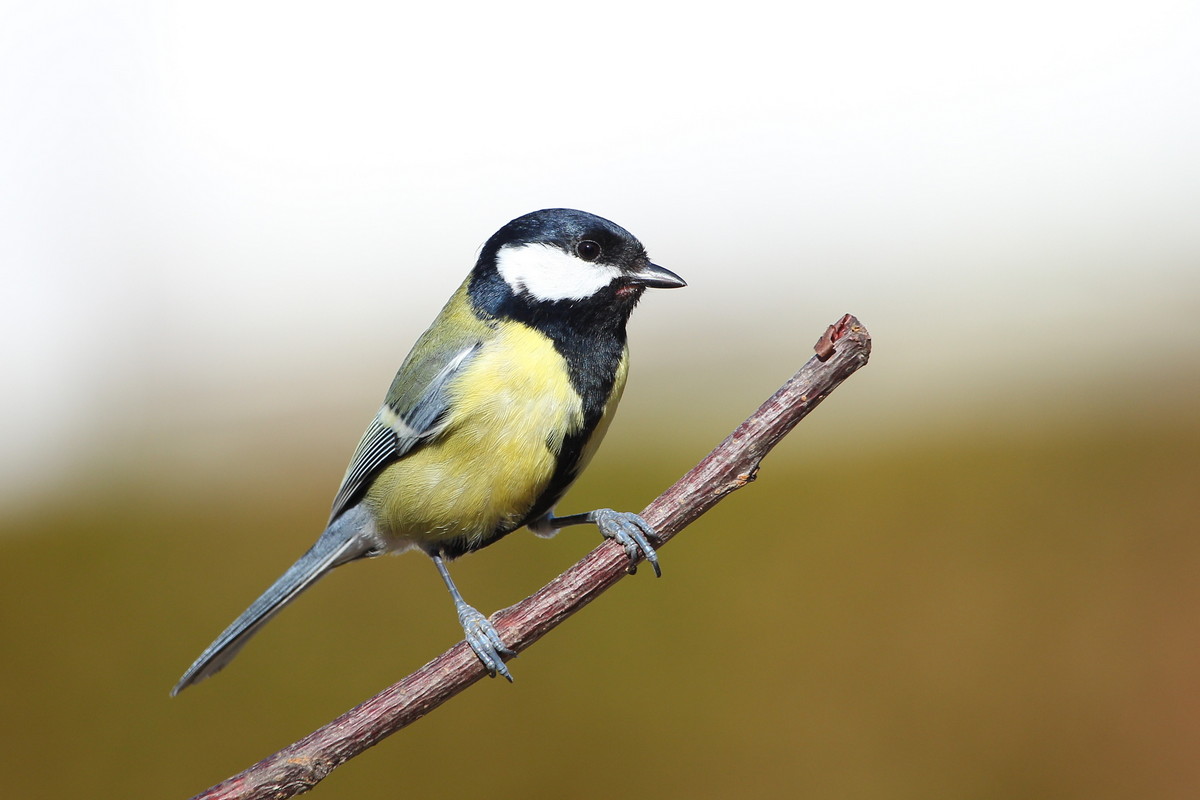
{"x":491,"y":417}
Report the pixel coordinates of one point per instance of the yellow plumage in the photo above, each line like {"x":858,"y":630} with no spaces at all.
{"x":510,"y":409}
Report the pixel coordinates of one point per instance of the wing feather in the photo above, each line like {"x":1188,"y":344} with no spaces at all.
{"x":396,"y":430}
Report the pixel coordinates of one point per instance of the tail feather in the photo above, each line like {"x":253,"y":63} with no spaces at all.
{"x":338,"y":544}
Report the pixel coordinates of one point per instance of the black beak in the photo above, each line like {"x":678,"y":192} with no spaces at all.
{"x":656,"y":277}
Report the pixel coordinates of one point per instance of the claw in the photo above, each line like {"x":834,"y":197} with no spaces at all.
{"x":485,"y":641}
{"x":631,"y":532}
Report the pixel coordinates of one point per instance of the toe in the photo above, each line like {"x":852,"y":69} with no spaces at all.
{"x":485,"y":641}
{"x":631,"y":532}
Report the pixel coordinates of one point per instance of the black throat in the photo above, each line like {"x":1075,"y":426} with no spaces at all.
{"x":589,"y":334}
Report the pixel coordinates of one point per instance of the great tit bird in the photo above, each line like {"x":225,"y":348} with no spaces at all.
{"x":491,"y":417}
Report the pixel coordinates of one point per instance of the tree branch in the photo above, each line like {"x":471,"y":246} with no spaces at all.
{"x":844,"y":348}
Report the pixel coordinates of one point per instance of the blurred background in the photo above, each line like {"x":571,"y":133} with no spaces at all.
{"x":971,"y":573}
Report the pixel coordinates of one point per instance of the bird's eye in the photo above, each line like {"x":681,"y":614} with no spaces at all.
{"x":587,"y":250}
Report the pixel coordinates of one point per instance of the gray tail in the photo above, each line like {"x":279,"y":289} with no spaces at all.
{"x":338,"y":544}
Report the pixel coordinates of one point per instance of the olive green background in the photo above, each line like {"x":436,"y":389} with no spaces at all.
{"x":1000,"y":611}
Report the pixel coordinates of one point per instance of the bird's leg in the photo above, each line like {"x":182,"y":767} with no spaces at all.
{"x":628,"y":529}
{"x":480,"y":633}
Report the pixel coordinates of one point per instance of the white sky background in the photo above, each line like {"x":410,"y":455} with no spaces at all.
{"x":210,"y":210}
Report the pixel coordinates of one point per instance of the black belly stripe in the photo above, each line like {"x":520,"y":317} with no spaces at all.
{"x":592,"y":363}
{"x":590,"y":336}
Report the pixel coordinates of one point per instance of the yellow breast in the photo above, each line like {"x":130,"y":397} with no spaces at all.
{"x":510,"y":409}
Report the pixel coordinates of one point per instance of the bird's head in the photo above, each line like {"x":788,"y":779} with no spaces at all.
{"x":559,"y":259}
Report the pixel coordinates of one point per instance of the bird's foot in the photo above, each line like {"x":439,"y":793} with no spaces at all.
{"x":631,"y":532}
{"x":484,"y":640}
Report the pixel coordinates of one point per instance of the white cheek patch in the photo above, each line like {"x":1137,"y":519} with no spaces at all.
{"x":547,"y":273}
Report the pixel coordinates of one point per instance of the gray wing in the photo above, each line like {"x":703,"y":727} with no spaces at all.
{"x":400,"y":425}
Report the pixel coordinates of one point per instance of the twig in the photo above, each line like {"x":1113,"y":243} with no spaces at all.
{"x":843,"y":348}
